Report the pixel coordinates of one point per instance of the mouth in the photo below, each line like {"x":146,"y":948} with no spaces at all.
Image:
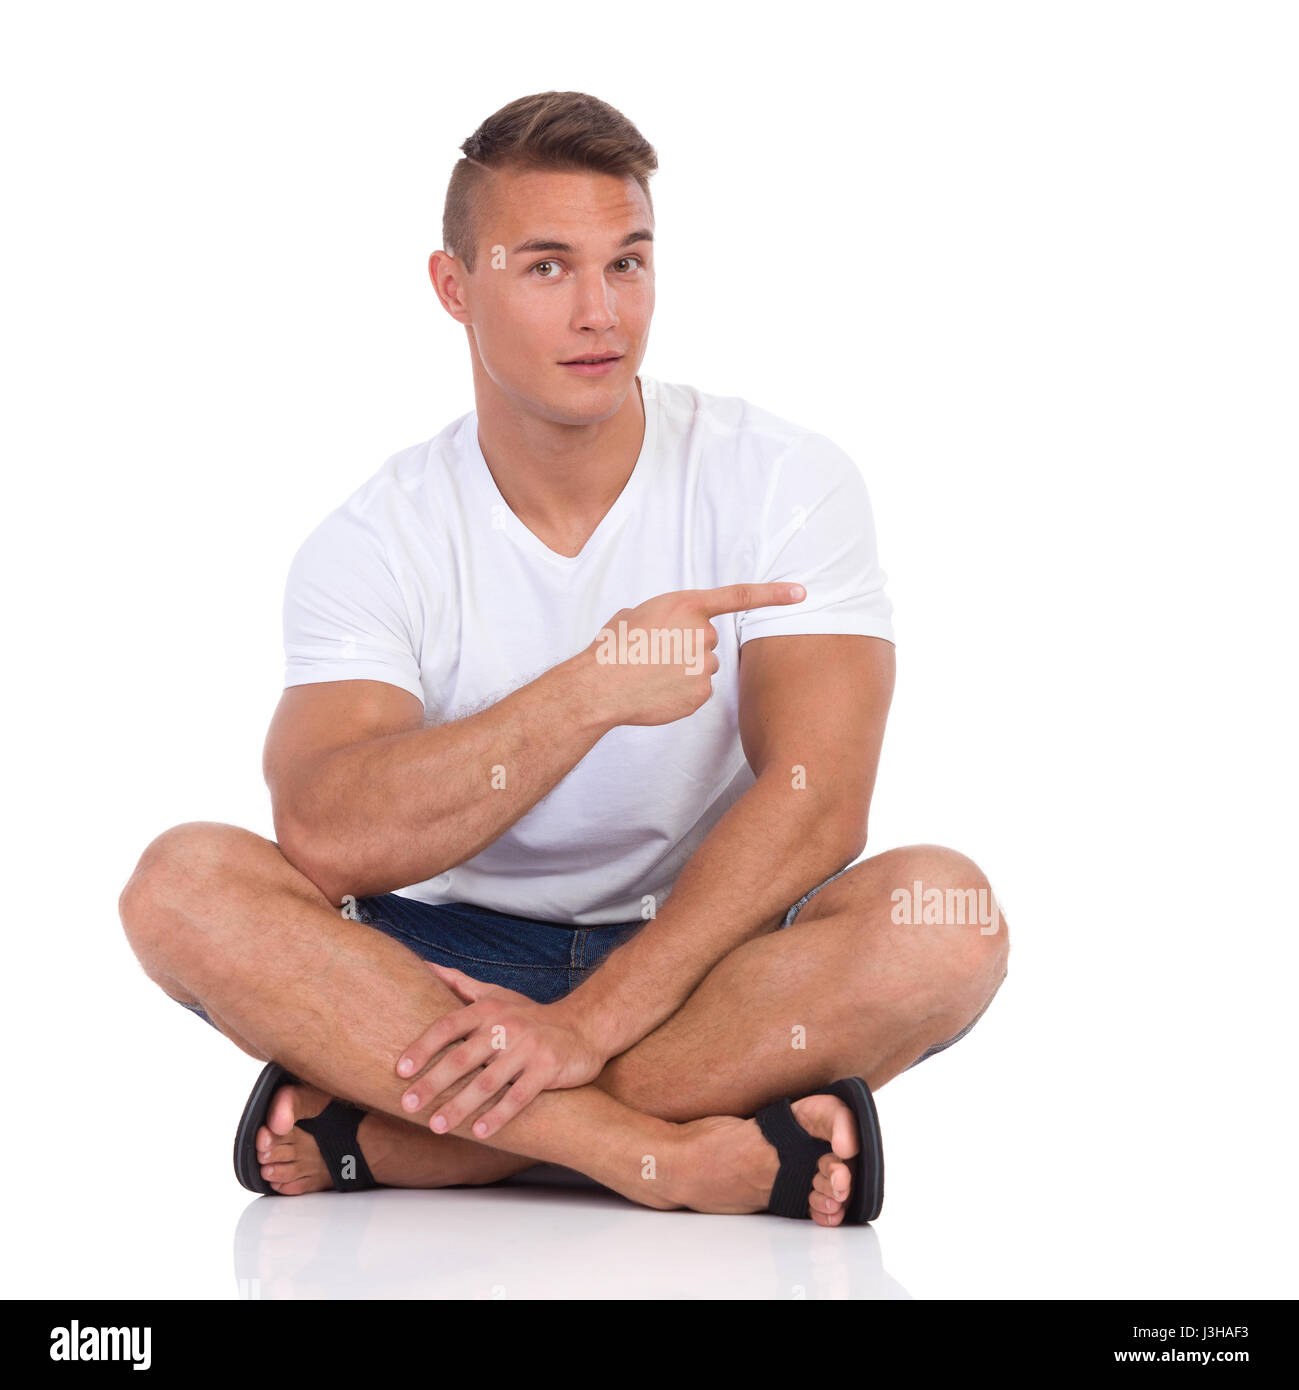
{"x":593,"y":363}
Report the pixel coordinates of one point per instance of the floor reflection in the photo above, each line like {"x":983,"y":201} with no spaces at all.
{"x":516,"y":1242}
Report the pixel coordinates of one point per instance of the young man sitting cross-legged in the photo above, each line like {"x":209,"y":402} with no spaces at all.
{"x":602,"y":640}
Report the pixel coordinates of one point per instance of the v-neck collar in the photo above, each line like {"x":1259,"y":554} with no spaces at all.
{"x":622,"y":504}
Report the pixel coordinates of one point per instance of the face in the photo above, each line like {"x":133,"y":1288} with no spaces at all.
{"x":564,"y":274}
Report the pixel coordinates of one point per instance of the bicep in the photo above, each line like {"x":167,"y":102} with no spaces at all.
{"x":317,"y":719}
{"x":818,"y":702}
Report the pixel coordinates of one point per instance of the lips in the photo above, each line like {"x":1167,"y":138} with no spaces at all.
{"x":593,"y":364}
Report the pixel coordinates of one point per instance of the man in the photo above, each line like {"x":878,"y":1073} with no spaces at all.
{"x":552,"y":885}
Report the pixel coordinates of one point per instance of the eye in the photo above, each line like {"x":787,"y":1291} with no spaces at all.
{"x":547,"y":270}
{"x":625,"y":263}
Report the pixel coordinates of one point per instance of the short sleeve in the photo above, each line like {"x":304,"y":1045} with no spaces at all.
{"x":345,"y":617}
{"x":818,"y":530}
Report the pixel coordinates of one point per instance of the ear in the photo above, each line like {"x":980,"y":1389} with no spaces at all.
{"x":449,"y":276}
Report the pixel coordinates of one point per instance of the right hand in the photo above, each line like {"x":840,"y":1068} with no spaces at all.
{"x":674,"y":676}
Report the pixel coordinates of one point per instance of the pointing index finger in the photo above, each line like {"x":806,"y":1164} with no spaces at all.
{"x":738,"y":598}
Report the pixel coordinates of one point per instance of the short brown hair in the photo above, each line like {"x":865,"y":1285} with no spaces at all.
{"x":549,"y":130}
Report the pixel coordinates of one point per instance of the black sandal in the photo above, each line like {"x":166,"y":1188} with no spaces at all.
{"x":334,"y":1131}
{"x":800,"y":1153}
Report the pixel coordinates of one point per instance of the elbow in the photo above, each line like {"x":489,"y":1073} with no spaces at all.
{"x":313,"y":856}
{"x":850,"y":835}
{"x":851,"y":849}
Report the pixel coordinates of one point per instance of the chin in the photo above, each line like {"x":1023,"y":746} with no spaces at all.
{"x":588,"y":400}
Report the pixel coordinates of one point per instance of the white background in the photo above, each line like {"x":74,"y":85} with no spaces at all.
{"x":1032,"y":264}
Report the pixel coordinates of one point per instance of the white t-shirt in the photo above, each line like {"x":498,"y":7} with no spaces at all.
{"x":426,"y":579}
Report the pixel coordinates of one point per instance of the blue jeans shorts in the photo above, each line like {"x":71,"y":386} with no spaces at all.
{"x":544,"y":960}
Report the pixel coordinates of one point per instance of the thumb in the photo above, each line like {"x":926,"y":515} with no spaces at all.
{"x":469,"y":989}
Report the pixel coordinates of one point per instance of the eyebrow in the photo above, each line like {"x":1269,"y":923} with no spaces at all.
{"x":564,"y":249}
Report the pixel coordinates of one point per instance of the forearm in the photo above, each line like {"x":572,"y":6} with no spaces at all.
{"x":396,"y":810}
{"x":774,"y":844}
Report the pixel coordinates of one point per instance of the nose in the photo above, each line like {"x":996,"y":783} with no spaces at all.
{"x":595,"y":309}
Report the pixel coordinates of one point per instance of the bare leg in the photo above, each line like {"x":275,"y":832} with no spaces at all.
{"x":218,"y":917}
{"x":844,"y":991}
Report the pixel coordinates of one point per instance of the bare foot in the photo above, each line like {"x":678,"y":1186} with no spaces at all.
{"x":399,"y":1153}
{"x":725,"y":1165}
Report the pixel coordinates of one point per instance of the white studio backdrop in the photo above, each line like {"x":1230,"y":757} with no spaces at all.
{"x":1031,"y":264}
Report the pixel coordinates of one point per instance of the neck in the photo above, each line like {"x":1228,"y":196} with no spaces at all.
{"x":559,"y":479}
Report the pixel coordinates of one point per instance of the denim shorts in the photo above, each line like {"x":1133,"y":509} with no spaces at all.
{"x":544,"y":960}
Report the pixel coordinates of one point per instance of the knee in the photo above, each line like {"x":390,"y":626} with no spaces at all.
{"x":181,"y":869}
{"x":946,"y":898}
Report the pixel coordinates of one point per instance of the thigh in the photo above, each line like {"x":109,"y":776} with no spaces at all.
{"x":870,"y":885}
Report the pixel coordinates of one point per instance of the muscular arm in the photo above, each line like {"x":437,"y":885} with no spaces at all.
{"x":815,"y":702}
{"x":366,"y":799}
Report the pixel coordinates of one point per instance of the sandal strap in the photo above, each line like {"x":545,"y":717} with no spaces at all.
{"x":334,"y":1131}
{"x":799,"y":1152}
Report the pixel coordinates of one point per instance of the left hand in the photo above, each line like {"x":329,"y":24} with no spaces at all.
{"x":524,"y":1048}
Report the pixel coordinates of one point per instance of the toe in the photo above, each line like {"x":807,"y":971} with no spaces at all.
{"x":289,"y":1158}
{"x":837,"y":1176}
{"x":818,"y":1201}
{"x":843,"y":1139}
{"x":283,"y":1111}
{"x":822,"y":1184}
{"x":295,"y":1188}
{"x":267,"y":1144}
{"x":828,"y":1118}
{"x":290,"y":1177}
{"x":290,"y":1103}
{"x":829,"y":1192}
